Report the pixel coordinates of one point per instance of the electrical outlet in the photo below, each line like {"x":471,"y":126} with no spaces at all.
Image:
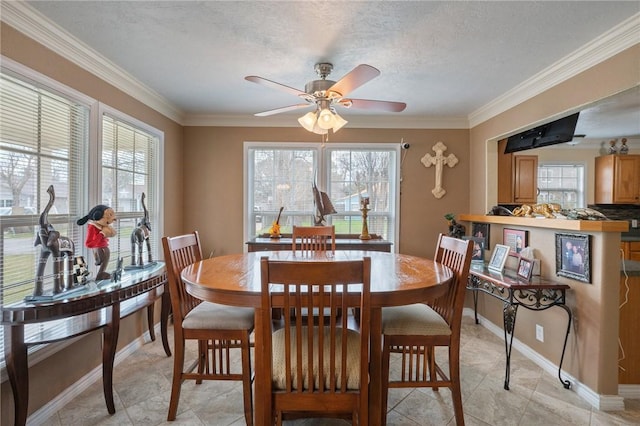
{"x":539,"y":332}
{"x":634,"y":223}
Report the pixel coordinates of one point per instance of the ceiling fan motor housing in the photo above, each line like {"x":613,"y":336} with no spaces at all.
{"x":318,"y":88}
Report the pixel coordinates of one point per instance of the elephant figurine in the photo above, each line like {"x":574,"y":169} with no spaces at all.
{"x":141,"y":234}
{"x":52,"y":243}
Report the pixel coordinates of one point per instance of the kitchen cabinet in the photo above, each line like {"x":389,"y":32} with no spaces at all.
{"x":631,"y":250}
{"x":629,"y":344}
{"x":617,"y":179}
{"x":517,"y":177}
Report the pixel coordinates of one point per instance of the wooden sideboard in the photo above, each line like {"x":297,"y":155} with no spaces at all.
{"x":343,"y":242}
{"x":96,"y":307}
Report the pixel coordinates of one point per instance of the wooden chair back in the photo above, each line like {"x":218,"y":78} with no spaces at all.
{"x":314,"y":238}
{"x":180,"y":252}
{"x":456,"y":254}
{"x":337,"y":384}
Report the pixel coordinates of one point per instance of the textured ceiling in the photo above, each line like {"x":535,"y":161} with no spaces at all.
{"x":444,"y":59}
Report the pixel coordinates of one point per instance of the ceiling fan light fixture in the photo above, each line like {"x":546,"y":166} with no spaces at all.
{"x":326,"y":119}
{"x":340,"y":123}
{"x":308,"y":121}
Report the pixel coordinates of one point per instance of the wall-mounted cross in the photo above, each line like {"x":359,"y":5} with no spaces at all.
{"x":439,"y":161}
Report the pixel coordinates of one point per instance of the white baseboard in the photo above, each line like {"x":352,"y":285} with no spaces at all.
{"x":629,"y":391}
{"x":600,"y":402}
{"x":56,"y":404}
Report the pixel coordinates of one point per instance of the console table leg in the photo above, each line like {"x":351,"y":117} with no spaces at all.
{"x":150,"y":311}
{"x":475,"y":306}
{"x":15,"y":355}
{"x":565,"y":383}
{"x":110,"y":335}
{"x":509,"y":312}
{"x":165,"y":309}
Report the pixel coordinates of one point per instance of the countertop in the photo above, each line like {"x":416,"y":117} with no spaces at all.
{"x":632,"y":267}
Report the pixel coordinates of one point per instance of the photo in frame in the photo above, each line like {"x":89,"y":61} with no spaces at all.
{"x":516,"y":239}
{"x":573,"y":256}
{"x":498,"y":257}
{"x":478,"y":249}
{"x":481,"y":230}
{"x":525,"y":267}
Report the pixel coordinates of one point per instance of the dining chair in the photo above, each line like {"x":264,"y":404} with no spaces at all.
{"x":219,"y":329}
{"x":414,"y":331}
{"x":316,"y":370}
{"x":314,"y":238}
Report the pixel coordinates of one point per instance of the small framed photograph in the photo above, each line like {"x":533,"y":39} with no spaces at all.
{"x":525,"y":267}
{"x":573,"y":256}
{"x":481,"y":230}
{"x":478,"y":249}
{"x":498,"y":258}
{"x":516,"y":239}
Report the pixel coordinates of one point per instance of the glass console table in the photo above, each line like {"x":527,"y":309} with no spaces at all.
{"x":95,"y":307}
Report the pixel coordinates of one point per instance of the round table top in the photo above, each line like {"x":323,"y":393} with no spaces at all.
{"x":396,"y":279}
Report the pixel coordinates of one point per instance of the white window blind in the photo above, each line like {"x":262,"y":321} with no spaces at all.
{"x":562,"y":184}
{"x":129,"y":169}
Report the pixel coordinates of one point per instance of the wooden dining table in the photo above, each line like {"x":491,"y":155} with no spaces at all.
{"x":396,"y":280}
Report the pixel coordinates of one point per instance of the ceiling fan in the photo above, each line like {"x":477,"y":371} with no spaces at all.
{"x":325,"y":95}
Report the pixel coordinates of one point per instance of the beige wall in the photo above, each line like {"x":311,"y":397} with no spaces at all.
{"x":50,"y":377}
{"x":592,"y":351}
{"x":214,"y":181}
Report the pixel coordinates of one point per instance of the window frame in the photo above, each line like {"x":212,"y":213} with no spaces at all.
{"x":582,"y":183}
{"x":89,"y":182}
{"x":323,"y":165}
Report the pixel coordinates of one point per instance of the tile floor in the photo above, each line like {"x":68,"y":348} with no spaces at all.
{"x":142,"y":385}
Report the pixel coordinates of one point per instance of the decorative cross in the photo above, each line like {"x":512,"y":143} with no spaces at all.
{"x":439,"y":161}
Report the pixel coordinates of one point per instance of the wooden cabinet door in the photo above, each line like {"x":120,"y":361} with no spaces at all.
{"x":505,"y":174}
{"x":627,"y":179}
{"x":525,"y":179}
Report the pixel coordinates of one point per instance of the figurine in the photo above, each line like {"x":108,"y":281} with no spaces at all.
{"x":456,"y":230}
{"x":612,"y":146}
{"x":99,"y":231}
{"x":51,"y":242}
{"x":139,"y":235}
{"x":624,"y":149}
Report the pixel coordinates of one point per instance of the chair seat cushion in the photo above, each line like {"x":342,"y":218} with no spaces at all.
{"x":209,"y":315}
{"x":414,"y":320}
{"x":353,"y":359}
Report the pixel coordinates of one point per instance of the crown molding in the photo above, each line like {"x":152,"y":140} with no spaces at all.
{"x":612,"y":42}
{"x":355,"y":122}
{"x":33,"y":24}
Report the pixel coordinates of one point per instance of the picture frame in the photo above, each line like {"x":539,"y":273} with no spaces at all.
{"x":525,"y":267}
{"x":481,"y":230}
{"x":498,"y":257}
{"x":478,"y":249}
{"x":516,"y":239}
{"x":573,"y":256}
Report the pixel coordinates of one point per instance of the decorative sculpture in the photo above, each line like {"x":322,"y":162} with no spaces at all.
{"x":141,"y":234}
{"x":99,"y":231}
{"x":456,"y":230}
{"x":323,"y":205}
{"x":439,"y":161}
{"x":364,"y":208}
{"x":274,"y":231}
{"x":51,"y":242}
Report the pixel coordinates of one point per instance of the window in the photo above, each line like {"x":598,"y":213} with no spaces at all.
{"x":282,"y":175}
{"x":562,"y":184}
{"x":48,"y":137}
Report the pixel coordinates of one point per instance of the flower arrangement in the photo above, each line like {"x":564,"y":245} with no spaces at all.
{"x":274,"y":232}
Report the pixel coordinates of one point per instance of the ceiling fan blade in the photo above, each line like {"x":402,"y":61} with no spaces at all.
{"x":279,"y":110}
{"x":273,"y":84}
{"x":354,"y":79}
{"x":388,"y":106}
